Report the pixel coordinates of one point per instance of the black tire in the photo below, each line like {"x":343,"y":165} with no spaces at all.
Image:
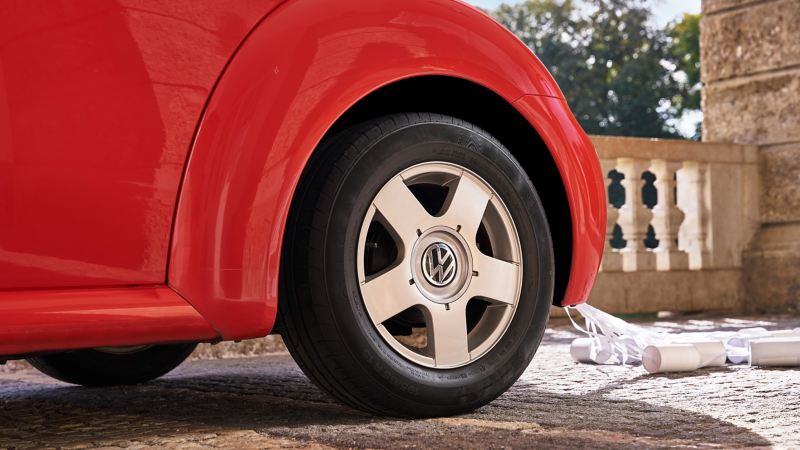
{"x":96,"y":368}
{"x":324,"y":322}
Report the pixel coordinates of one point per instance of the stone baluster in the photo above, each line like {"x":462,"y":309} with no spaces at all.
{"x":634,"y":217}
{"x":612,"y":259}
{"x":667,"y":218}
{"x":692,"y":200}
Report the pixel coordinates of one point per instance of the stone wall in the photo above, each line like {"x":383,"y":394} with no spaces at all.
{"x":751,"y":70}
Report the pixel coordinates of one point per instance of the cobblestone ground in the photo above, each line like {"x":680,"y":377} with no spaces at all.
{"x":263,"y":402}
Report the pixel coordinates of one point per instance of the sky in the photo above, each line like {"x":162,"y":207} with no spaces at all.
{"x":664,"y":10}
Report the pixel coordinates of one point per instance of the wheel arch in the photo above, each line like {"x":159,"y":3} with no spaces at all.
{"x":466,"y":100}
{"x":274,"y":103}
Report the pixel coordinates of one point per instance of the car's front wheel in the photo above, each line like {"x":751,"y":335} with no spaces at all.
{"x":418,"y":267}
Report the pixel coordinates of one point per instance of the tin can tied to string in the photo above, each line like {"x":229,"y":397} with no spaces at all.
{"x":611,"y":340}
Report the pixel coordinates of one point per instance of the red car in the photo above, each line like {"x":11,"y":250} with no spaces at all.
{"x":397,"y":187}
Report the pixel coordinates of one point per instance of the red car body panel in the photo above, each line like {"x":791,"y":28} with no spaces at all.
{"x":63,"y":319}
{"x":577,"y":162}
{"x":88,"y":188}
{"x":99,"y":101}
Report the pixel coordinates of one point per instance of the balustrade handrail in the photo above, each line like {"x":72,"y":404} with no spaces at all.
{"x":609,"y":147}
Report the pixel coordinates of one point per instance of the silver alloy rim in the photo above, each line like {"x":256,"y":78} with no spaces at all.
{"x":466,"y":295}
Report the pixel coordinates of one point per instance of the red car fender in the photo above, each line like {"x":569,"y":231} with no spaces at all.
{"x":574,"y":154}
{"x":300,"y":70}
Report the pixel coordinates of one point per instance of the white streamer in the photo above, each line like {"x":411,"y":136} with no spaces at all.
{"x":611,"y":340}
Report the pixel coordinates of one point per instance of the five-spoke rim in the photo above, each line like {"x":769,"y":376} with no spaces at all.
{"x":439,"y":265}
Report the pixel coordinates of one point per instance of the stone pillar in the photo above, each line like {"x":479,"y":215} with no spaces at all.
{"x":634,"y":217}
{"x":667,"y":218}
{"x":750,"y":51}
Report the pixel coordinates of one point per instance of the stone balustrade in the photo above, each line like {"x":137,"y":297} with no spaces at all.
{"x":684,"y":213}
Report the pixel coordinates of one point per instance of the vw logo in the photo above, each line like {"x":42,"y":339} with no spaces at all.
{"x":439,"y":264}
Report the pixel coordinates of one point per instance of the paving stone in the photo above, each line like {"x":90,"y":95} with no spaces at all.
{"x":266,"y":402}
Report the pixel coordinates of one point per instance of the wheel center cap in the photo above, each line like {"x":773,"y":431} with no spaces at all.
{"x":439,"y":264}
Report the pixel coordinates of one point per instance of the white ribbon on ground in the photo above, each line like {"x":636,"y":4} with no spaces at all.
{"x":611,"y":340}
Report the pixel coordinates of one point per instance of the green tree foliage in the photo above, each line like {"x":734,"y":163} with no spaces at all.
{"x":611,"y":63}
{"x":685,"y":35}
